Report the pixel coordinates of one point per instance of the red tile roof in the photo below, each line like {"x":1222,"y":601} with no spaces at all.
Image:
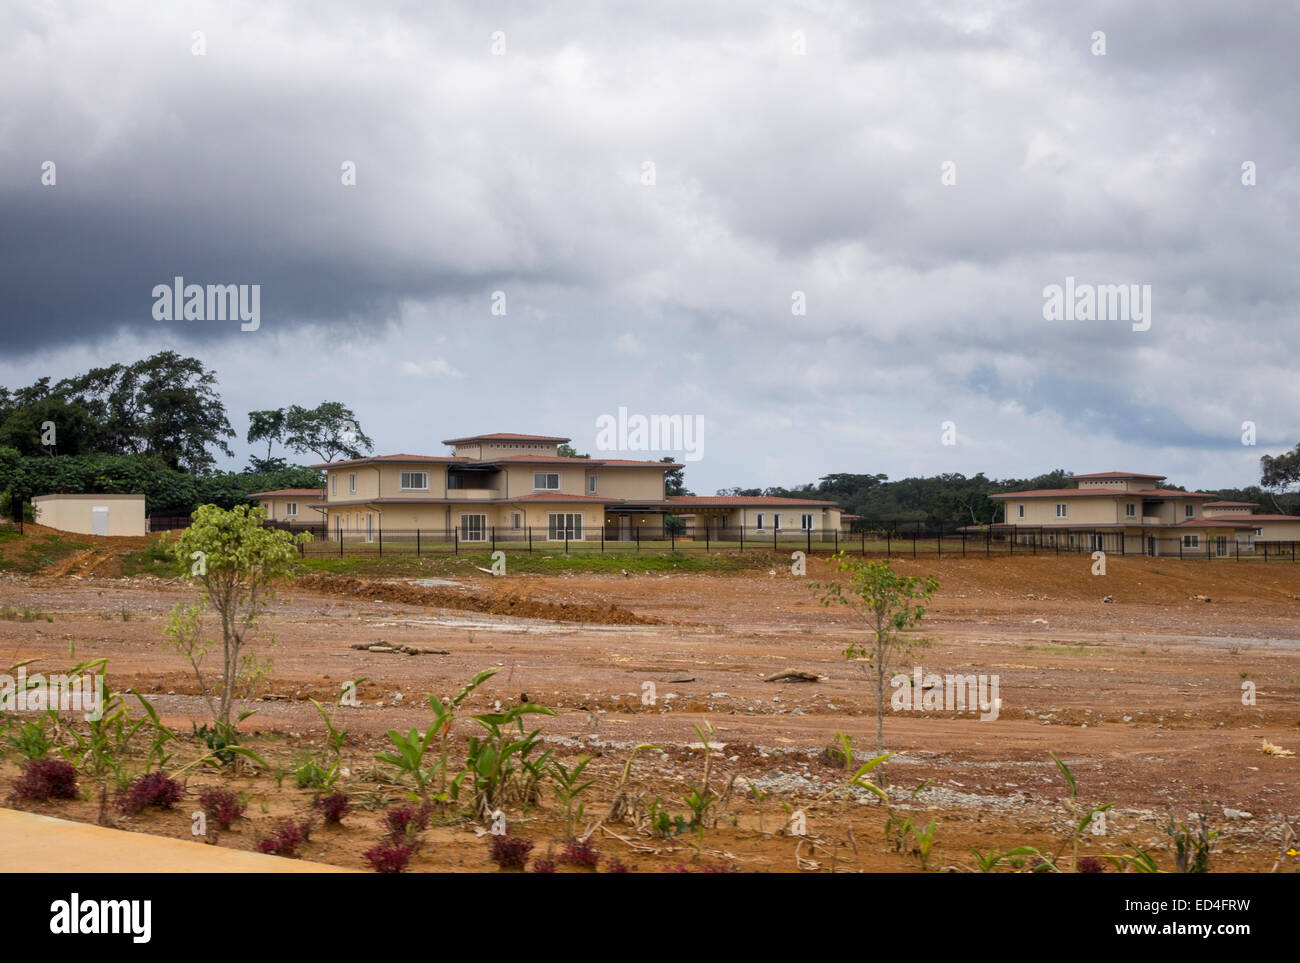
{"x":1224,"y":504}
{"x":741,"y":501}
{"x":1101,"y":493}
{"x":1258,"y":518}
{"x":1117,"y":474}
{"x":414,"y":459}
{"x":505,"y":436}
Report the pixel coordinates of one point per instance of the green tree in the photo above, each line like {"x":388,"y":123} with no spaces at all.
{"x":165,"y":405}
{"x":1278,"y":473}
{"x":25,"y":428}
{"x":675,"y":479}
{"x":568,"y":451}
{"x":268,"y":426}
{"x":237,"y":561}
{"x":889,"y":604}
{"x":328,"y":430}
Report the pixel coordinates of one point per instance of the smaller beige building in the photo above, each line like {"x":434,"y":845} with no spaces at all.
{"x":293,"y":506}
{"x":91,"y":514}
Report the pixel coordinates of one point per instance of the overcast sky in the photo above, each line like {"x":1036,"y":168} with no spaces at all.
{"x":795,"y":147}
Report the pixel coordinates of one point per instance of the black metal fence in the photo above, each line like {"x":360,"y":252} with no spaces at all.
{"x":885,"y":541}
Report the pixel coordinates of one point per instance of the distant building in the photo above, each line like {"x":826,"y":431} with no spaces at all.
{"x":1127,"y":512}
{"x":512,"y":482}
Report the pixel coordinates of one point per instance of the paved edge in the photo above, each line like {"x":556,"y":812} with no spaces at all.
{"x":43,"y":844}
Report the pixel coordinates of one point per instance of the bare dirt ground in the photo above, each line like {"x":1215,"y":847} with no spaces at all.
{"x":1141,"y":696}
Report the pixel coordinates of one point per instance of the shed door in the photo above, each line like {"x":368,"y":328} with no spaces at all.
{"x":99,"y":520}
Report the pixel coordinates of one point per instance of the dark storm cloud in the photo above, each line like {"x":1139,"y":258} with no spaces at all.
{"x":776,"y":173}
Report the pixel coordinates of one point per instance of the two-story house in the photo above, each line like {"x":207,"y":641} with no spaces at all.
{"x":506,"y":483}
{"x":1124,"y":511}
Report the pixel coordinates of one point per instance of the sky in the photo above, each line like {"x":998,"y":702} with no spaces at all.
{"x":825,"y":229}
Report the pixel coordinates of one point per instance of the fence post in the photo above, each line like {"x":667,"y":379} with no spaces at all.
{"x":742,"y":536}
{"x":988,"y":539}
{"x":340,"y":531}
{"x":837,"y":541}
{"x":809,"y":534}
{"x":602,"y":540}
{"x":888,"y":543}
{"x":637,"y":532}
{"x":381,"y":536}
{"x":566,"y":539}
{"x":455,"y":540}
{"x":672,"y":540}
{"x":417,"y":543}
{"x":915,"y":529}
{"x":773,"y":539}
{"x":493,"y":535}
{"x":530,"y":539}
{"x":706,"y":536}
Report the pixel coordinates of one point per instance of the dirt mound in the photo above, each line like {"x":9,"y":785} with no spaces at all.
{"x":498,"y":603}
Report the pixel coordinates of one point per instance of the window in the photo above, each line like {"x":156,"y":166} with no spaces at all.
{"x":1130,"y":510}
{"x":1062,"y":510}
{"x":338,"y":527}
{"x":334,"y":483}
{"x":370,"y":528}
{"x":473,"y":528}
{"x":562,"y":525}
{"x":546,"y":481}
{"x":1020,"y":511}
{"x":1187,"y":510}
{"x":591,"y":484}
{"x":291,"y":509}
{"x":1259,"y":533}
{"x":352,"y":481}
{"x":516,"y":520}
{"x":1191,"y":541}
{"x":805,"y":522}
{"x":776,"y":521}
{"x":1096,"y":543}
{"x":1071,"y":540}
{"x":415,"y":480}
{"x":758,"y":523}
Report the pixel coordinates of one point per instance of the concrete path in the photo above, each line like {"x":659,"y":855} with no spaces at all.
{"x":43,"y":844}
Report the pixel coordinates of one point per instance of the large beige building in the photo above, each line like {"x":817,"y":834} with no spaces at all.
{"x":1128,"y":512}
{"x":503,"y":485}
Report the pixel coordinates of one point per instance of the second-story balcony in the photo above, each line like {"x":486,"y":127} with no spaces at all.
{"x":472,"y":494}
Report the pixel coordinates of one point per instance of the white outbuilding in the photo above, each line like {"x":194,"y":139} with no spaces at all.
{"x":92,"y":514}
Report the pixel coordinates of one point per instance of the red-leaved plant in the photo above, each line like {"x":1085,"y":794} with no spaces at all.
{"x":511,"y":852}
{"x":334,"y":808}
{"x":45,"y":779}
{"x":390,"y":856}
{"x":151,"y":789}
{"x":221,"y":805}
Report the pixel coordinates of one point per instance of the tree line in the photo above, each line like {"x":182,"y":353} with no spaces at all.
{"x":156,"y":427}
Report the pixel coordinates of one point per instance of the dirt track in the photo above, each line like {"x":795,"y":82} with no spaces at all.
{"x":1142,"y":695}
